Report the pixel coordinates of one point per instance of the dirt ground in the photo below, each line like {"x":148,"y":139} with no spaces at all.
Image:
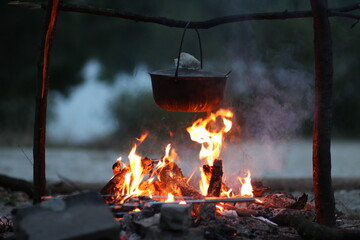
{"x":347,"y":206}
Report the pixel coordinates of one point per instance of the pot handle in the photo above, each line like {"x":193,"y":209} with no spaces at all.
{"x":182,"y":39}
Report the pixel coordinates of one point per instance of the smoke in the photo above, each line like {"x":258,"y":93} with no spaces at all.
{"x":280,"y":102}
{"x":272,"y":105}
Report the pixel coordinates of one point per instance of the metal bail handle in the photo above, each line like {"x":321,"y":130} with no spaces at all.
{"x":182,"y":39}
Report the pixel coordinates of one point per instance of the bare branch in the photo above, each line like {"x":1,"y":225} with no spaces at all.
{"x":346,"y":15}
{"x":340,"y":12}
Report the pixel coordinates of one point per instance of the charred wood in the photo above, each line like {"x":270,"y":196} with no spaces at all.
{"x":258,"y":188}
{"x":16,"y":184}
{"x":215,"y":183}
{"x":115,"y":185}
{"x":173,"y":182}
{"x":300,"y":202}
{"x":311,"y":230}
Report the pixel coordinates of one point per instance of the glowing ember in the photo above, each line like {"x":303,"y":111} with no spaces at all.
{"x":219,"y":208}
{"x":209,"y":133}
{"x":229,"y":193}
{"x":170,"y":198}
{"x":246,"y":187}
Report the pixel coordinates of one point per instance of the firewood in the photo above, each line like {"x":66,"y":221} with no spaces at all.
{"x":115,"y":185}
{"x":16,"y":184}
{"x":147,"y":165}
{"x":242,"y":212}
{"x":258,"y":188}
{"x":148,"y":187}
{"x":175,"y":184}
{"x":214,"y":189}
{"x":311,"y":230}
{"x":300,"y":202}
{"x":208,"y":173}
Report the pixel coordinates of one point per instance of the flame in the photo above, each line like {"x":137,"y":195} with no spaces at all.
{"x":117,"y":166}
{"x":136,"y":170}
{"x":219,"y":208}
{"x":143,"y":136}
{"x":167,"y":151}
{"x":182,"y":203}
{"x":246,"y":187}
{"x":209,"y":134}
{"x":227,"y":193}
{"x":170,"y":153}
{"x":203,"y":183}
{"x":170,"y":198}
{"x":133,"y":179}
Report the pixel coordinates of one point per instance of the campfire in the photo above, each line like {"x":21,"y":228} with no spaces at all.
{"x":163,"y":180}
{"x":151,"y":198}
{"x":143,"y":187}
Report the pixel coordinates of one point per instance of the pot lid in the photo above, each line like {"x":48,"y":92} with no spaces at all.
{"x":186,"y":73}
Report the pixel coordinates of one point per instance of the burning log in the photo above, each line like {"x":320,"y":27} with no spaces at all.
{"x":214,"y":177}
{"x":215,"y":182}
{"x":258,"y":188}
{"x":115,"y":185}
{"x":172,"y":181}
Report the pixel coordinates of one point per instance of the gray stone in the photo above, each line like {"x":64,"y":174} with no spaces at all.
{"x":175,"y":217}
{"x":81,"y":216}
{"x":146,"y":223}
{"x":159,"y":234}
{"x":208,"y":211}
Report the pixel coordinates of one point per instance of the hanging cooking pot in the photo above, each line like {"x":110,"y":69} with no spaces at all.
{"x":188,"y":90}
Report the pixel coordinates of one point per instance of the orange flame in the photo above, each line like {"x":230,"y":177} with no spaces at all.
{"x":204,"y":183}
{"x":143,"y":136}
{"x":246,"y":187}
{"x":219,"y":208}
{"x":133,"y":179}
{"x":170,"y":198}
{"x":209,"y":134}
{"x":136,"y":170}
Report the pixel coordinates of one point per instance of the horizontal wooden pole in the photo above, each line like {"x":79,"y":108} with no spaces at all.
{"x":108,"y":12}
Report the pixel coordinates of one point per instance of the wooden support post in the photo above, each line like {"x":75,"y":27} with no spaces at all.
{"x":41,"y":101}
{"x":324,"y":195}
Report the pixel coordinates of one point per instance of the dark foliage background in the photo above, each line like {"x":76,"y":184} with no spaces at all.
{"x":120,"y":45}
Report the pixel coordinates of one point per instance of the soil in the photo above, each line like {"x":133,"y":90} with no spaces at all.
{"x":347,"y":205}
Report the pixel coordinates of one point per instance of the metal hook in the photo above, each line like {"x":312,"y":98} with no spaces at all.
{"x":182,"y":40}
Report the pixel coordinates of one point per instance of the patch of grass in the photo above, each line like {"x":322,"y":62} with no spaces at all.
{"x":10,"y":200}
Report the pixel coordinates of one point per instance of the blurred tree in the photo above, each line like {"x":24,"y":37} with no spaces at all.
{"x":120,"y":45}
{"x":137,"y":113}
